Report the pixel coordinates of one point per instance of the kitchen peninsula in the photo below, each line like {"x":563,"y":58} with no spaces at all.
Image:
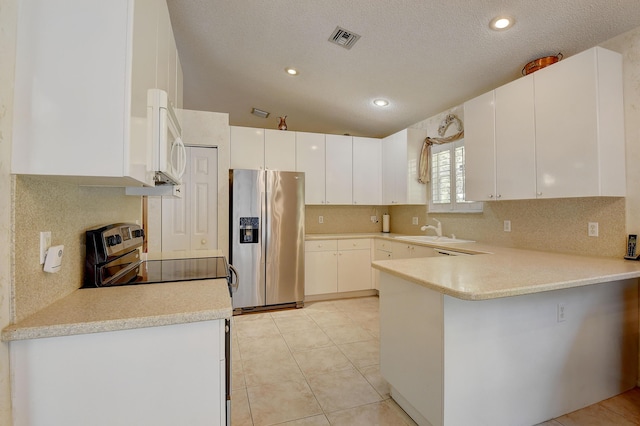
{"x":511,"y":337}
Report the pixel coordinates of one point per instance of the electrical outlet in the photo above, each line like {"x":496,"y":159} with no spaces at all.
{"x":414,"y":221}
{"x":45,"y":243}
{"x":593,"y":229}
{"x":320,"y":219}
{"x":507,"y":226}
{"x":562,"y":312}
{"x":374,"y":219}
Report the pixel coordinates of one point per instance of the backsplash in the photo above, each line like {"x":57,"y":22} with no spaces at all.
{"x":558,"y":225}
{"x":67,"y":211}
{"x":343,"y":219}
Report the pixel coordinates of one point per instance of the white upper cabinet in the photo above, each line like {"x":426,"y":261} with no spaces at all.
{"x":257,"y":149}
{"x":310,"y":159}
{"x":367,"y":171}
{"x":515,"y":140}
{"x":500,"y":143}
{"x":83,"y":68}
{"x":400,"y":165}
{"x":246,"y":148}
{"x":580,"y":126}
{"x":480,"y":149}
{"x":558,"y":132}
{"x":279,"y":150}
{"x":338,"y":167}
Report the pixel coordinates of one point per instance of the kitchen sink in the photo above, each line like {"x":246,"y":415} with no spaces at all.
{"x":432,"y":239}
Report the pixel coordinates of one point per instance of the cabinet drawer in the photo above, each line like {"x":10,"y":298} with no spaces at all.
{"x":354,"y":244}
{"x":321,"y":245}
{"x":383,"y":245}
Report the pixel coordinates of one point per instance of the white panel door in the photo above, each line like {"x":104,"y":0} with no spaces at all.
{"x":191,"y":222}
{"x":339,"y":168}
{"x":279,"y":150}
{"x":367,"y":171}
{"x":310,"y":159}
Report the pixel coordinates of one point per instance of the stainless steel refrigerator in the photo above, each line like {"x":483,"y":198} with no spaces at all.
{"x":266,"y":238}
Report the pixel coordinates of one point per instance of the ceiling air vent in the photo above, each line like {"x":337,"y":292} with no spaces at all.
{"x":343,"y":38}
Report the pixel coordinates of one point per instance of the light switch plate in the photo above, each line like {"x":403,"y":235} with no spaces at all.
{"x":414,"y":220}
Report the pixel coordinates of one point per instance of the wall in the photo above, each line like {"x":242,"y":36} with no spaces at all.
{"x":628,"y":44}
{"x":67,"y":211}
{"x":8,"y":16}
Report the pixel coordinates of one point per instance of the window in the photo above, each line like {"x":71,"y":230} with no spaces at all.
{"x":447,"y":180}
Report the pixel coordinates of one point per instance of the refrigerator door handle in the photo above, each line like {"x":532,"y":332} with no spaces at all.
{"x":234,"y":282}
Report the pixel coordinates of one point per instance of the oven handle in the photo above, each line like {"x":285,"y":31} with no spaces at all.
{"x":233,"y":280}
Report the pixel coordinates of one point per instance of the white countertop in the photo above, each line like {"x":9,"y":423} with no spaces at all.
{"x":94,"y":310}
{"x":496,"y":272}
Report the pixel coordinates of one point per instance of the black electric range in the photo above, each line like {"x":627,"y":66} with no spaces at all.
{"x":113,"y":258}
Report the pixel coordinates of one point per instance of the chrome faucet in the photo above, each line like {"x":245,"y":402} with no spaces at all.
{"x":438,"y":228}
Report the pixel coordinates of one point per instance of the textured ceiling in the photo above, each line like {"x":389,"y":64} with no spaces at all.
{"x":424,"y":56}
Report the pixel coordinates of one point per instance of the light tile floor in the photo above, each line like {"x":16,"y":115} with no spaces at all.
{"x":319,"y":365}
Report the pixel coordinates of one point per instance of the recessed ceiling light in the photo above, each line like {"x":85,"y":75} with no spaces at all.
{"x":291,"y":71}
{"x":501,"y":23}
{"x":381,"y":102}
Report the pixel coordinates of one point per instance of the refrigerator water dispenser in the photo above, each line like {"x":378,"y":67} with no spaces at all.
{"x":249,"y":230}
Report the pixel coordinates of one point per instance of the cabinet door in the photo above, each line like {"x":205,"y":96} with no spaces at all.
{"x":354,"y":270}
{"x":567,"y":128}
{"x":379,"y":255}
{"x":310,"y":159}
{"x":394,"y":154}
{"x":279,"y":150}
{"x":367,"y":171}
{"x":421,"y":251}
{"x":70,"y":105}
{"x":320,"y":272}
{"x":479,"y":145}
{"x":515,"y":140}
{"x":247,"y":148}
{"x":338,"y":169}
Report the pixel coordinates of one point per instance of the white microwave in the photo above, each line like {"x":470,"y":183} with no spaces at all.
{"x":169,"y":152}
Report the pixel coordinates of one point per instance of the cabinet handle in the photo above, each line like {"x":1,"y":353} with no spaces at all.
{"x":490,"y":195}
{"x":539,"y":193}
{"x":203,"y":241}
{"x":355,"y":202}
{"x":499,"y":196}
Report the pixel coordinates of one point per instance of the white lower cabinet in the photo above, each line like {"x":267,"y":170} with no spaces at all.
{"x":337,"y":266}
{"x":164,"y":375}
{"x":320,"y":267}
{"x":411,"y":251}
